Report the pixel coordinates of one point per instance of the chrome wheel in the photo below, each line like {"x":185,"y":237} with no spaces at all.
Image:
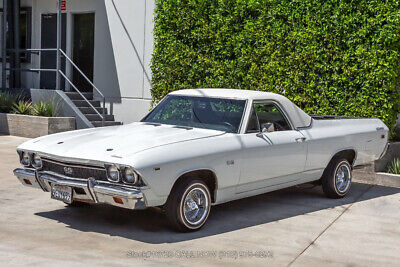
{"x":196,"y":206}
{"x":343,"y":177}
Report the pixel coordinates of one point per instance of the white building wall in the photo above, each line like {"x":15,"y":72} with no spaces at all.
{"x":122,"y":54}
{"x":131,"y":27}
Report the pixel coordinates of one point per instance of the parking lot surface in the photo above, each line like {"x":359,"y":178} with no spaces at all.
{"x":296,"y":226}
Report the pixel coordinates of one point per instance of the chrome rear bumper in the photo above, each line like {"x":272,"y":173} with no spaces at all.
{"x":88,"y":190}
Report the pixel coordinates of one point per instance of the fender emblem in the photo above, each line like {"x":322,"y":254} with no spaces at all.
{"x":68,"y":170}
{"x":230,"y":162}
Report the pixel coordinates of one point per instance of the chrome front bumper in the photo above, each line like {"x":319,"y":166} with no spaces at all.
{"x":86,"y":190}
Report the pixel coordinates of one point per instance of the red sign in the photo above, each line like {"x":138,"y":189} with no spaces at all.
{"x":64,"y":5}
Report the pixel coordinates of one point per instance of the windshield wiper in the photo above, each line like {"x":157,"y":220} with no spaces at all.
{"x":183,"y":127}
{"x":153,"y":123}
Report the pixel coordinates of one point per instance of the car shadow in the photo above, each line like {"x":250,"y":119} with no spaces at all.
{"x":150,"y":225}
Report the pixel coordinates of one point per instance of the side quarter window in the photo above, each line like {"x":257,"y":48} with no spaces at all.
{"x":271,"y":114}
{"x":253,"y":126}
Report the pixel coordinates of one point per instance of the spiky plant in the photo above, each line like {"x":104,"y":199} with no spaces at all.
{"x":395,"y":166}
{"x":22,"y":108}
{"x":7,"y":101}
{"x":46,"y":109}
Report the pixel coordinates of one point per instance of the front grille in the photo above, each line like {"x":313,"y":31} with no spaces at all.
{"x":74,"y":171}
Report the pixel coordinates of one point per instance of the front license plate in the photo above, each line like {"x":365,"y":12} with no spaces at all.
{"x":63,"y":193}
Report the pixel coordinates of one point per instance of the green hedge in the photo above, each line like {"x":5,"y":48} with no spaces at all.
{"x":329,"y":57}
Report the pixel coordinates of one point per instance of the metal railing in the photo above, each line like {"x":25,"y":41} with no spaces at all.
{"x":58,"y":70}
{"x":36,"y":52}
{"x":63,"y":54}
{"x":103,"y":115}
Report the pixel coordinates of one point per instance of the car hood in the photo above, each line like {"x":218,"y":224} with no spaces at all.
{"x":102,"y":144}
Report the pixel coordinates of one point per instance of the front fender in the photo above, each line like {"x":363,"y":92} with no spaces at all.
{"x":160,"y":167}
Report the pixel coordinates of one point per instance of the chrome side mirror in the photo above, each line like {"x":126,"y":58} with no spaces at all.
{"x":266,"y":128}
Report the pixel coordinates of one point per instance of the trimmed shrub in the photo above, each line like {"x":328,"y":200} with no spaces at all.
{"x":330,"y":57}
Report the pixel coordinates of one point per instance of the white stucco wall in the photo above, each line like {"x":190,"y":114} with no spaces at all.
{"x":131,"y":28}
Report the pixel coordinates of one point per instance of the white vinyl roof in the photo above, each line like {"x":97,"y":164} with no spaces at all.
{"x":298,"y":117}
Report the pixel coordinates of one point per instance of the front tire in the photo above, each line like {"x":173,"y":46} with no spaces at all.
{"x":336,"y":180}
{"x":189,"y":205}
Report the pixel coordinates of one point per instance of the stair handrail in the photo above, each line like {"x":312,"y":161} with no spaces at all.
{"x":103,"y":116}
{"x":84,"y":98}
{"x":40,"y":50}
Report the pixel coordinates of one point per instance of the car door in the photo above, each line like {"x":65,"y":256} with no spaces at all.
{"x":272,"y":157}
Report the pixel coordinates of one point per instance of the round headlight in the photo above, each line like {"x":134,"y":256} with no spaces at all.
{"x":25,"y":159}
{"x":37,"y":161}
{"x":129,"y":176}
{"x":113,"y":173}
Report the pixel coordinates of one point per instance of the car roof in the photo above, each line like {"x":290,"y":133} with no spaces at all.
{"x":227,"y":93}
{"x":299,"y":118}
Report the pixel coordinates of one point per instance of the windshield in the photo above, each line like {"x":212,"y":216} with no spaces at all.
{"x":200,"y":112}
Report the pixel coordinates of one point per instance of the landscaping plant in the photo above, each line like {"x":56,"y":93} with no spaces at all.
{"x":395,"y":166}
{"x":23,"y":108}
{"x":45,"y":109}
{"x":11,"y":103}
{"x":7,"y":101}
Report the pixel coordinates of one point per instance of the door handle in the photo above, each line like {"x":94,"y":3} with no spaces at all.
{"x":301,"y":139}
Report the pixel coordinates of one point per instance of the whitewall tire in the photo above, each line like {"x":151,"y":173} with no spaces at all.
{"x":189,"y":205}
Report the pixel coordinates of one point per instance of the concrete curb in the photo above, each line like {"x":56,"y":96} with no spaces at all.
{"x":366,"y":175}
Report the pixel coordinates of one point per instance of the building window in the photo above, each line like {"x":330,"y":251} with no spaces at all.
{"x":25,"y":26}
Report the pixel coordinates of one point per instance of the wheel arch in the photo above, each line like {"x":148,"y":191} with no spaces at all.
{"x":350,"y":154}
{"x":208,"y":176}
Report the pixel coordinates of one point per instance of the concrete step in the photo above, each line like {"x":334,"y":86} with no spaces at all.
{"x":83,"y":103}
{"x":107,"y":123}
{"x":89,"y":110}
{"x":96,"y":117}
{"x":76,"y":96}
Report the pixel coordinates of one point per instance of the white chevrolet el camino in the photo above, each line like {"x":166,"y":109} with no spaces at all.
{"x":199,"y":148}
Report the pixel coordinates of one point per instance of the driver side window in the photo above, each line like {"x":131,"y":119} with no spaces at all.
{"x":267,"y":113}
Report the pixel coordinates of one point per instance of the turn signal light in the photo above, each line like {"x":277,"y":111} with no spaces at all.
{"x":118,"y":200}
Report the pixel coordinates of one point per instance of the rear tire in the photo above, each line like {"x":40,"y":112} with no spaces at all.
{"x":188,"y":206}
{"x":336,"y":180}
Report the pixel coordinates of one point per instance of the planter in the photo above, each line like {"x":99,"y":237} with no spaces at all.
{"x":392,"y":153}
{"x":375,"y":173}
{"x":367,"y":175}
{"x":34,"y":126}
